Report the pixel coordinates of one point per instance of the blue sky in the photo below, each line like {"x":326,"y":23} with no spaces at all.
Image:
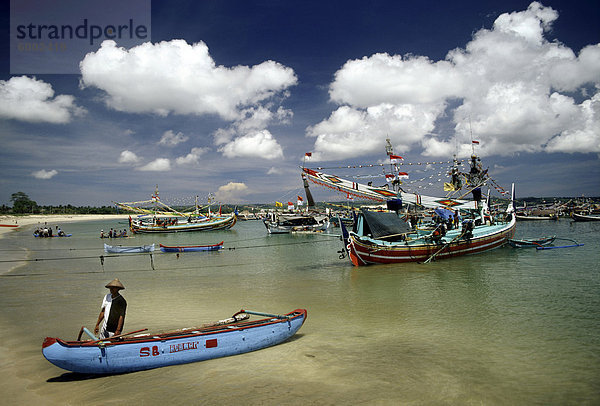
{"x":228,"y":96}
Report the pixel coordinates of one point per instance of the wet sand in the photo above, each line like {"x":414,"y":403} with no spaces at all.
{"x":53,"y":220}
{"x":16,"y":253}
{"x":17,"y":385}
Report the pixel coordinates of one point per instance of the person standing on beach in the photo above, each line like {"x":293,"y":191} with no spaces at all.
{"x":112,"y":314}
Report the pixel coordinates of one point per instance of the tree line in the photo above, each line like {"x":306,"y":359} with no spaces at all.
{"x":22,"y":204}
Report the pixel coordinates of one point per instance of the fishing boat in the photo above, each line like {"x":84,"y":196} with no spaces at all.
{"x":531,"y":242}
{"x":129,"y":353}
{"x":585,"y":217}
{"x":159,"y":225}
{"x":383,"y":237}
{"x":120,"y":249}
{"x":51,"y":236}
{"x":294,"y":223}
{"x":191,"y":248}
{"x":164,"y":219}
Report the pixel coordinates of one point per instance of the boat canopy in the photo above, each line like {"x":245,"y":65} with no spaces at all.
{"x":444,"y":213}
{"x":383,"y":224}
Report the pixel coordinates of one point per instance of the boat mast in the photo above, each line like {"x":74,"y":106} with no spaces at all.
{"x":156,"y":198}
{"x":389,"y":150}
{"x":310,"y":202}
{"x":210,"y":197}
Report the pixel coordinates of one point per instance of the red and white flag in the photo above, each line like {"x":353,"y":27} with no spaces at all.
{"x":308,"y":155}
{"x":394,"y":158}
{"x":403,"y":175}
{"x":475,"y":142}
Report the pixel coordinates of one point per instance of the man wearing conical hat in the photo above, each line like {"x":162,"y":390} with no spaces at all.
{"x":112,"y":314}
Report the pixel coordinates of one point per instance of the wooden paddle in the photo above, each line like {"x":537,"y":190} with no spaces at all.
{"x":118,"y":336}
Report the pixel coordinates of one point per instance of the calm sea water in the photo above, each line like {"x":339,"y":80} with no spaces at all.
{"x":511,"y":326}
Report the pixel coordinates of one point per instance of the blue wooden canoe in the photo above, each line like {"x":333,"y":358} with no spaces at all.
{"x":191,"y":248}
{"x":147,"y":351}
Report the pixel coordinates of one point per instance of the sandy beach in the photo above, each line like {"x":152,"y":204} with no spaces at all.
{"x":13,"y":258}
{"x":52,"y":219}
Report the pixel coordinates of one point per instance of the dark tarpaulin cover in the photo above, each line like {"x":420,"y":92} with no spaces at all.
{"x":384,"y":224}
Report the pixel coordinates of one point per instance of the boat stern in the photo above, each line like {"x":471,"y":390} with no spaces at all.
{"x":48,"y":341}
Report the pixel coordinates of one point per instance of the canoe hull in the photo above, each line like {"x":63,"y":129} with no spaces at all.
{"x":367,"y":252}
{"x":531,"y":243}
{"x":584,"y":217}
{"x":119,"y":249}
{"x":536,"y":218}
{"x":139,"y":354}
{"x":191,"y":248}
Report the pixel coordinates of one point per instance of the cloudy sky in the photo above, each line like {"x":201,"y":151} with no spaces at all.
{"x":226,"y":97}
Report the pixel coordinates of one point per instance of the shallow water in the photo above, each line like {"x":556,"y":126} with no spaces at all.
{"x":511,"y":326}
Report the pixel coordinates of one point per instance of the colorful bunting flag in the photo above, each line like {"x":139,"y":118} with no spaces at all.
{"x":448,"y":187}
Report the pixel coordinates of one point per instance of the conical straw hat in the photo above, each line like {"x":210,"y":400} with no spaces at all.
{"x":116,"y":283}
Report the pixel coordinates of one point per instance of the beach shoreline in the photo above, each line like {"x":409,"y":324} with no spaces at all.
{"x":52,"y":219}
{"x":14,"y":259}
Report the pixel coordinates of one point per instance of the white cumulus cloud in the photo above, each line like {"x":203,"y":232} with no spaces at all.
{"x":231,"y":192}
{"x":351,"y":132}
{"x":170,"y":138}
{"x":28,"y":99}
{"x":259,"y":144}
{"x":177,"y":77}
{"x":511,"y":87}
{"x":44,"y":174}
{"x":192,"y":158}
{"x":159,"y":164}
{"x":585,"y":134}
{"x":128,"y":157}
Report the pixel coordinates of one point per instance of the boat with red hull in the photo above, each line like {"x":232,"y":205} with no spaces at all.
{"x":364,"y":248}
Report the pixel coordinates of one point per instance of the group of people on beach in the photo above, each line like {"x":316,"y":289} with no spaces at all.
{"x":46,"y":231}
{"x":113,"y":233}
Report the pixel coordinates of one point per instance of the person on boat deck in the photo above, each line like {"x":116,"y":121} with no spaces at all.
{"x":112,"y":314}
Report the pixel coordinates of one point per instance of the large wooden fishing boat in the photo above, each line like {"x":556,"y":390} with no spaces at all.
{"x":161,"y":225}
{"x":163,"y":219}
{"x":384,"y":238}
{"x":459,"y":227}
{"x":128,"y":353}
